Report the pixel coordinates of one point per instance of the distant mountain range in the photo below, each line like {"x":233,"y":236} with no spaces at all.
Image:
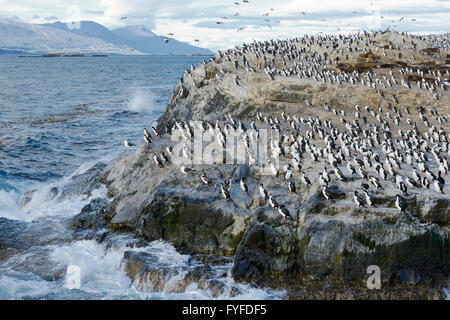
{"x":91,"y":37}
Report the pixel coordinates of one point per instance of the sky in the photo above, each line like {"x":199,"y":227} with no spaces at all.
{"x":240,"y":21}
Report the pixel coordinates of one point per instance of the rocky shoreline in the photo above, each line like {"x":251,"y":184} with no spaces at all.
{"x":322,"y":252}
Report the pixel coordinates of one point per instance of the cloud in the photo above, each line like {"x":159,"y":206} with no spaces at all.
{"x":96,"y":12}
{"x":51,"y":18}
{"x":192,"y":19}
{"x":196,"y":19}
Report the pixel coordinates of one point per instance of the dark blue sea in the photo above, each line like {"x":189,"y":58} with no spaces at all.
{"x":58,"y":118}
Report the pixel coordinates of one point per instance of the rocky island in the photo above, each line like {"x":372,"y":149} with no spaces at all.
{"x":366,"y":112}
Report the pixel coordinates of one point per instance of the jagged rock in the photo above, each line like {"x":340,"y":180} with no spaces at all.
{"x":435,"y":210}
{"x":83,"y":183}
{"x":151,"y":275}
{"x":22,"y":235}
{"x":22,"y":246}
{"x":38,"y":262}
{"x":193,"y":223}
{"x":91,"y":216}
{"x":324,"y":249}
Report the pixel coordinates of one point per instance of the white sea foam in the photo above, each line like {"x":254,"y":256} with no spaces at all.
{"x":43,"y":202}
{"x":141,"y":100}
{"x":167,"y":256}
{"x":100,"y":271}
{"x":17,"y":286}
{"x":100,"y":266}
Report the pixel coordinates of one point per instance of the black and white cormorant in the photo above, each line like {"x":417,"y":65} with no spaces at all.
{"x":263,"y":192}
{"x":128,"y":144}
{"x":292,"y":187}
{"x":206,"y":181}
{"x":243,"y":185}
{"x":284,"y":212}
{"x":356,"y":199}
{"x":400,"y":203}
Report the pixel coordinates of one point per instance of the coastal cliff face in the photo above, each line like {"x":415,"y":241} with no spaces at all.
{"x":322,"y":251}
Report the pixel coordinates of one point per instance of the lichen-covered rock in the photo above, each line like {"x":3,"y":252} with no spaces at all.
{"x":435,"y":210}
{"x":192,"y":222}
{"x":334,"y":247}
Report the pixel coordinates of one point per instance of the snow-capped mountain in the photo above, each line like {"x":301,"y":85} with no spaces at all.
{"x":89,"y":29}
{"x":144,"y":40}
{"x":41,"y":38}
{"x":91,"y":37}
{"x":134,"y":32}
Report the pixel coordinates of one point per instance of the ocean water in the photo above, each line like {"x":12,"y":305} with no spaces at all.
{"x":58,"y":118}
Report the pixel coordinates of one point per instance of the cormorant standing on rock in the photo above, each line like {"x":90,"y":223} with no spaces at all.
{"x":128,"y":144}
{"x":439,"y":183}
{"x":292,"y":187}
{"x":205,"y":179}
{"x":225,"y":192}
{"x":326,"y":193}
{"x":284,"y":212}
{"x":305,"y":179}
{"x":401,"y":204}
{"x":263,"y":192}
{"x":244,"y":186}
{"x":273,"y":203}
{"x":356,"y":199}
